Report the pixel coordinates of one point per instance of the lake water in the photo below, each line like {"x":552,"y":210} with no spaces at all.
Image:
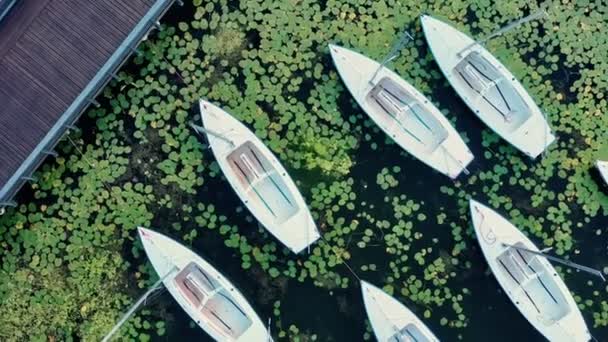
{"x":339,"y":315}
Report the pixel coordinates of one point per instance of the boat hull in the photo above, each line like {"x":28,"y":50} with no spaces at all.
{"x":272,"y":197}
{"x":389,"y":317}
{"x":168,"y":256}
{"x":528,"y":131}
{"x":546,"y":302}
{"x":449,"y":155}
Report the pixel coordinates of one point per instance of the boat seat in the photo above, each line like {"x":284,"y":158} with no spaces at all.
{"x":225,"y":315}
{"x":195,"y":284}
{"x":258,"y":176}
{"x":399,"y":110}
{"x":409,"y":333}
{"x":399,"y":105}
{"x":529,"y":259}
{"x":489,"y":84}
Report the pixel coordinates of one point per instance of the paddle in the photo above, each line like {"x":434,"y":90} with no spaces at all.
{"x":201,"y":130}
{"x":568,"y":263}
{"x":541,"y":12}
{"x":392,"y":54}
{"x":137,"y":304}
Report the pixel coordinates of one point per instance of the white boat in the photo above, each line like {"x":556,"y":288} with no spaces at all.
{"x":529,"y":280}
{"x":488,"y":88}
{"x":602,"y":167}
{"x":203,"y":292}
{"x":259,"y":179}
{"x":391,"y":320}
{"x":402,"y":112}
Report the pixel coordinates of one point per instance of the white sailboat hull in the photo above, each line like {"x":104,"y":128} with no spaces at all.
{"x":259,"y":180}
{"x":431,"y":139}
{"x":167,"y":255}
{"x":389,"y":317}
{"x":524,"y":128}
{"x":529,"y":281}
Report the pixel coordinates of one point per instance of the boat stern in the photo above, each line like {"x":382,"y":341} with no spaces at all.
{"x":452,"y":157}
{"x":534,"y":136}
{"x":305,"y":236}
{"x":571,"y":328}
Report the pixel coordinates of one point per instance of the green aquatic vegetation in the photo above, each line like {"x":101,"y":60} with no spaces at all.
{"x":386,"y":180}
{"x":292,"y":332}
{"x":137,"y":162}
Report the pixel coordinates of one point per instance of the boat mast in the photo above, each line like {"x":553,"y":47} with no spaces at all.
{"x":392,"y":54}
{"x":201,"y":130}
{"x":540,"y":13}
{"x":137,"y":304}
{"x":559,"y":260}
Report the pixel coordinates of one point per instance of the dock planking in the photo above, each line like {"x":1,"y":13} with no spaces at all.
{"x":50,"y":51}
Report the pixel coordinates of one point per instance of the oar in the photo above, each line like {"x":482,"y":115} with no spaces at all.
{"x":137,"y":304}
{"x":201,"y":130}
{"x":541,"y":12}
{"x":269,"y":334}
{"x":568,"y":263}
{"x":392,"y":54}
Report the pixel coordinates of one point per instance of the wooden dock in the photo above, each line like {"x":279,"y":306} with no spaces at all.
{"x":55,"y":56}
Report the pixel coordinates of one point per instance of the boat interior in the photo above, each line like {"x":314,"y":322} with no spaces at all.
{"x":214,"y":303}
{"x":399,"y":110}
{"x":535,"y":284}
{"x":261,"y":181}
{"x":493,"y":93}
{"x":409,"y":333}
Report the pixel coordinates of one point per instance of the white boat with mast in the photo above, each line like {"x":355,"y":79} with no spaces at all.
{"x":258,"y":178}
{"x":202,"y":291}
{"x":487,"y":87}
{"x":528,"y":279}
{"x":391,"y":320}
{"x":401,"y":111}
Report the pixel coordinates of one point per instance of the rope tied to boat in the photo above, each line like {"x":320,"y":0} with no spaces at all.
{"x":341,"y":258}
{"x":490,"y":236}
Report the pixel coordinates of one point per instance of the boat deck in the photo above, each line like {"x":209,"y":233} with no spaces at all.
{"x":493,"y":92}
{"x":261,"y":181}
{"x":532,"y":284}
{"x":403,"y":114}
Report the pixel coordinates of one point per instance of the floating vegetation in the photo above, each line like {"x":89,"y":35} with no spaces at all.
{"x":70,"y":255}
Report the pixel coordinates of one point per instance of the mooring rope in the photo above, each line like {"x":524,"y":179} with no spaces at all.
{"x":341,"y":258}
